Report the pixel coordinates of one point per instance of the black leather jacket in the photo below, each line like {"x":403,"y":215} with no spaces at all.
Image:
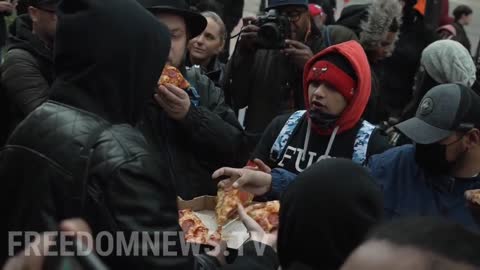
{"x":118,"y":170}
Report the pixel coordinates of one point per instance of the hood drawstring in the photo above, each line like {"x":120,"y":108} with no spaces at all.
{"x":307,"y":141}
{"x":330,"y":143}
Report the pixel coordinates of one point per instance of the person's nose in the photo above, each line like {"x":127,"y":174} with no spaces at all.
{"x":319,"y":92}
{"x":200,"y":39}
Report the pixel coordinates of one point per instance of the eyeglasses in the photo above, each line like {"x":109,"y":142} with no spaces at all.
{"x":293,"y":15}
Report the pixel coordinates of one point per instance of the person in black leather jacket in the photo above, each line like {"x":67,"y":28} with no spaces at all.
{"x":198,"y":132}
{"x":78,"y":155}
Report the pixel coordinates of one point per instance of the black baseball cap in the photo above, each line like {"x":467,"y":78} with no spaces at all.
{"x":195,"y":21}
{"x":282,"y":3}
{"x":43,"y":3}
{"x":445,"y":109}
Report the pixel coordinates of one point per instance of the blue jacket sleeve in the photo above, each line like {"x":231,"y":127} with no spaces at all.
{"x":281,"y":178}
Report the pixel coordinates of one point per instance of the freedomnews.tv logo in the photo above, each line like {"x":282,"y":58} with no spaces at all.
{"x":165,"y":244}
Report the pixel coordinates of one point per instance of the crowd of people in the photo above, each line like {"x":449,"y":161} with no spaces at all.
{"x":365,"y":128}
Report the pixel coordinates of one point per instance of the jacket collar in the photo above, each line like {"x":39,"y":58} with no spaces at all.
{"x":450,"y":184}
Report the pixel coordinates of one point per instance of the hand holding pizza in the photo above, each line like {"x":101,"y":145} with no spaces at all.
{"x":256,"y":232}
{"x":253,"y":181}
{"x":473,"y":198}
{"x":173,"y":100}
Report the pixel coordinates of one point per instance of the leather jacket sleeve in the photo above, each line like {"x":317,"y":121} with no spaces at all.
{"x":23,"y":81}
{"x":213,"y":126}
{"x":142,"y":199}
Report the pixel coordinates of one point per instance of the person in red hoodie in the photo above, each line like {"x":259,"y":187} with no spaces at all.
{"x":337,"y":86}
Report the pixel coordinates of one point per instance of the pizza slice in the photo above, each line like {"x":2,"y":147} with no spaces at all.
{"x":171,"y":75}
{"x":473,"y":196}
{"x":265,"y":214}
{"x":227,"y":200}
{"x":193,"y":227}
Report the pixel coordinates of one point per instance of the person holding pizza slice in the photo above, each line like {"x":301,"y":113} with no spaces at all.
{"x":189,"y":122}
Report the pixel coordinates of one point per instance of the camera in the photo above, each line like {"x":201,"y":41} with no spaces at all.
{"x":274,"y":29}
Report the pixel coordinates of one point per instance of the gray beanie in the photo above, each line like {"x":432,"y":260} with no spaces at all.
{"x":447,"y":61}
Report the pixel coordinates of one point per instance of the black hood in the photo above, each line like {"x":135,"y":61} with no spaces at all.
{"x":21,"y":37}
{"x":109,"y":55}
{"x":326,"y":213}
{"x":352,"y":17}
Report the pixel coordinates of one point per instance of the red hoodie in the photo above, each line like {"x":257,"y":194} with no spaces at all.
{"x":355,"y":54}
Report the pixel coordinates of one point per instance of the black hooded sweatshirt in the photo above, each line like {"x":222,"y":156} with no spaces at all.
{"x":325,"y":214}
{"x":82,"y":157}
{"x":27,"y":73}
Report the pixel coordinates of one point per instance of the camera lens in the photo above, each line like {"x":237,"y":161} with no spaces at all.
{"x":269,"y":31}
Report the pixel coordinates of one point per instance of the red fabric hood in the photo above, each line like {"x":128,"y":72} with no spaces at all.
{"x":355,"y":54}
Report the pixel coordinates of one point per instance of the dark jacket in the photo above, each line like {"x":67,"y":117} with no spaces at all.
{"x":397,"y":73}
{"x":462,"y":37}
{"x":268,"y":83}
{"x":208,"y":138}
{"x":255,"y":256}
{"x":410,"y":191}
{"x":27,"y":70}
{"x":85,"y":159}
{"x":215,"y":70}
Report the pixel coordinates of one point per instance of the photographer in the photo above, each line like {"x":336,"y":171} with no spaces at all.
{"x":265,"y":72}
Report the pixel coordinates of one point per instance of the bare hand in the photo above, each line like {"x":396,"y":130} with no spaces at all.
{"x":253,"y":181}
{"x":219,"y":251}
{"x":255,"y":230}
{"x":473,"y":206}
{"x":174,"y":101}
{"x":260,"y":166}
{"x":6,"y":7}
{"x":298,"y":52}
{"x":249,"y":33}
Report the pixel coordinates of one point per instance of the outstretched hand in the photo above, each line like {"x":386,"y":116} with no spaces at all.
{"x":253,"y":181}
{"x":256,"y":232}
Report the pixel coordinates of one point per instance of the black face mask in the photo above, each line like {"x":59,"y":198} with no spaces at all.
{"x":433,"y":158}
{"x":323,"y":120}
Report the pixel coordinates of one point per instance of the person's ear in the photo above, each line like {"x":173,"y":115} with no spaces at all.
{"x":472,"y":138}
{"x":220,"y":49}
{"x":33,"y":13}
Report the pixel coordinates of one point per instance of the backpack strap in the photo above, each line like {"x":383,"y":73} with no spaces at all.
{"x":280,"y":144}
{"x":360,"y":146}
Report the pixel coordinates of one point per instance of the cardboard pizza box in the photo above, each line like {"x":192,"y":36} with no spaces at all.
{"x":234,"y":232}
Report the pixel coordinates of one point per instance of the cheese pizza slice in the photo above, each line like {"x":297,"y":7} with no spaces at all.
{"x":265,"y":214}
{"x":227,"y":200}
